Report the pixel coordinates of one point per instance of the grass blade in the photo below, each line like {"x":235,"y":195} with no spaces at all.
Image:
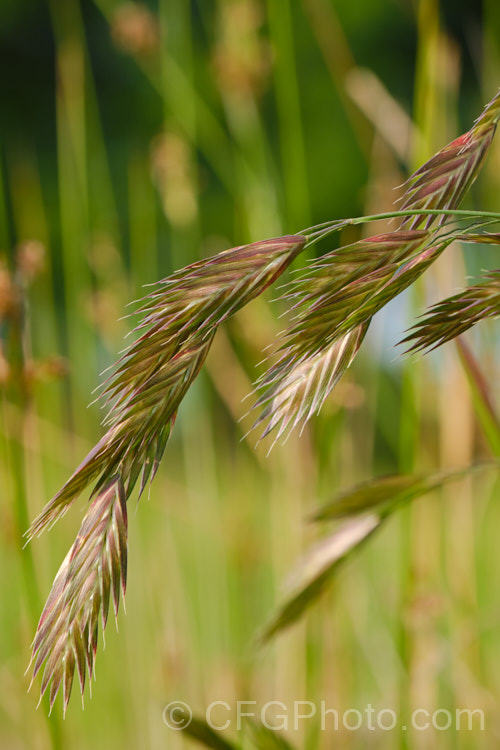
{"x":361,"y":510}
{"x":199,"y":730}
{"x":314,"y":572}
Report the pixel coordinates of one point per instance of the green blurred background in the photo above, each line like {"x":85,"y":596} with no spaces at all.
{"x":134,"y":139}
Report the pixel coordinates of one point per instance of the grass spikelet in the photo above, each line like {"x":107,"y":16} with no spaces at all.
{"x":442,"y":181}
{"x":334,"y":302}
{"x":92,"y":573}
{"x":297,"y":388}
{"x":453,"y":316}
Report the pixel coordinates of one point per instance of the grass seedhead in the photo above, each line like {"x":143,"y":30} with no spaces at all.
{"x":331,"y":305}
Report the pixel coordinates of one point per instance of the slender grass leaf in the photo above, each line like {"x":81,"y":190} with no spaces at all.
{"x":265,"y":738}
{"x":481,"y":397}
{"x":199,"y":730}
{"x":362,"y":511}
{"x":314,"y":572}
{"x":383,"y":495}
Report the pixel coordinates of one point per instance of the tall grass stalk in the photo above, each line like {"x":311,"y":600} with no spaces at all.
{"x":293,"y":158}
{"x":18,"y":426}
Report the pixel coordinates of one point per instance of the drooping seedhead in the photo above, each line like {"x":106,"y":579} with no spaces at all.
{"x":180,"y":318}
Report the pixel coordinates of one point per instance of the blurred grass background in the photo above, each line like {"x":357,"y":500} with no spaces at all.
{"x":134,"y":139}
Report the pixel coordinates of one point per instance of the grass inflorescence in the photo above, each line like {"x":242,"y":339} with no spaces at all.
{"x":330,"y":305}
